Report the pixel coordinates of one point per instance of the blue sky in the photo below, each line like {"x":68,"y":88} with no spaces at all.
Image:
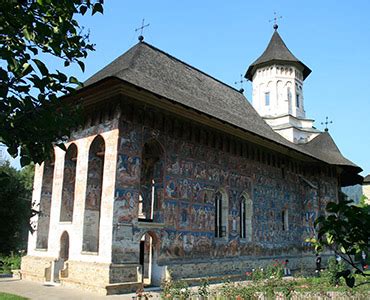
{"x":223,"y":37}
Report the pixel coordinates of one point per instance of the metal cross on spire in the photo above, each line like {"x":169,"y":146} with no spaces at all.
{"x":141,"y":28}
{"x":327,"y":122}
{"x":240,"y":82}
{"x":275,"y":19}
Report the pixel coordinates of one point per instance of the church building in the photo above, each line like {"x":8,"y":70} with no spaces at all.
{"x":175,"y":175}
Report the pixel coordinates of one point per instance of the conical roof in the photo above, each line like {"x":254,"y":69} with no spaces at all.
{"x":276,"y":52}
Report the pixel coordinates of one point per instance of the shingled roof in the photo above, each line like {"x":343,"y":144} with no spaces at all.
{"x":367,"y":179}
{"x":325,"y":148}
{"x":276,"y":52}
{"x":158,"y":72}
{"x":151,"y":69}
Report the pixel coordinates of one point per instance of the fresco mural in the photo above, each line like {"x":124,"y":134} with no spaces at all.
{"x":187,"y":179}
{"x":93,"y":195}
{"x":69,"y":179}
{"x":45,"y":205}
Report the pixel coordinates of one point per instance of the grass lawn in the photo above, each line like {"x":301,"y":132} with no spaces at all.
{"x":5,"y":296}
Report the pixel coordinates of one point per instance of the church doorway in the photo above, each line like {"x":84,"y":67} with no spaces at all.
{"x":151,"y":272}
{"x":64,"y":246}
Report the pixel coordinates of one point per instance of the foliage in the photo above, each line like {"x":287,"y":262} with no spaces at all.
{"x":331,"y":272}
{"x":275,"y":288}
{"x":363,"y":202}
{"x":203,"y":289}
{"x":272,"y":270}
{"x":32,"y":116}
{"x":11,"y":262}
{"x":15,"y":208}
{"x":175,"y":289}
{"x":346,"y":231}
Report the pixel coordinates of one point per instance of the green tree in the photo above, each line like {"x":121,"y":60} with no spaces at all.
{"x":32,"y":115}
{"x":345,"y":230}
{"x":15,"y":207}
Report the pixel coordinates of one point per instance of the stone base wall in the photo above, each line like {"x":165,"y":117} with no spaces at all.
{"x":123,"y":273}
{"x":34,"y":268}
{"x":102,"y":278}
{"x":237,"y":266}
{"x":105,"y":278}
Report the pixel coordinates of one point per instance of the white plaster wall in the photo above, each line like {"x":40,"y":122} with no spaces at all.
{"x":36,"y":196}
{"x":366,"y":192}
{"x":75,"y":228}
{"x":276,"y":79}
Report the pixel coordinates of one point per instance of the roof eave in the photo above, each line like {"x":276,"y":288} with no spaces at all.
{"x":253,"y":67}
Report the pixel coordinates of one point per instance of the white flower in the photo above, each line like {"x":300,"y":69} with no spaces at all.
{"x":183,"y":290}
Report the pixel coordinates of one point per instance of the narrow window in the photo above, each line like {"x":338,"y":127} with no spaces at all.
{"x":267,"y":98}
{"x":151,"y":182}
{"x":94,"y":188}
{"x":284,"y":220}
{"x":221,"y":215}
{"x":289,"y":94}
{"x":246,"y":214}
{"x":218,"y":215}
{"x":297,"y":100}
{"x":242,"y":218}
{"x":69,"y":180}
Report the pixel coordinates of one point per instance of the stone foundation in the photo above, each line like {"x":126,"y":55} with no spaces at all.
{"x":236,"y":267}
{"x":108,"y":279}
{"x":34,"y":268}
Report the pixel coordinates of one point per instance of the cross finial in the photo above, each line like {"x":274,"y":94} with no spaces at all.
{"x":141,"y":28}
{"x":327,"y":122}
{"x":240,"y":82}
{"x":275,"y":19}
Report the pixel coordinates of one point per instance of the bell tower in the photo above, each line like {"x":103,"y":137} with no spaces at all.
{"x":277,"y":78}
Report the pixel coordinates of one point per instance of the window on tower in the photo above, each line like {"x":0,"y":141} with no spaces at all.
{"x":297,"y":100}
{"x":267,"y":98}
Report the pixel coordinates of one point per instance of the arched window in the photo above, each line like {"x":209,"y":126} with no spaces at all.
{"x":69,"y":179}
{"x":45,"y":204}
{"x":221,"y":214}
{"x":246,"y":214}
{"x":151,"y":182}
{"x":64,"y":246}
{"x":93,"y":195}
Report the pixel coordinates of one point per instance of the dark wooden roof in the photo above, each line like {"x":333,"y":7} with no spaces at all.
{"x":158,"y":72}
{"x":325,"y":149}
{"x":162,"y":74}
{"x":276,"y":52}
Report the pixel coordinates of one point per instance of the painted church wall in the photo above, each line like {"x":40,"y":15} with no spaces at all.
{"x":192,"y":173}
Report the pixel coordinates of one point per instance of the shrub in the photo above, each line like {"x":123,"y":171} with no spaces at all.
{"x":11,"y":262}
{"x":175,"y":290}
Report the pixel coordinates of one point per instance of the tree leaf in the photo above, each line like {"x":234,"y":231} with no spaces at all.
{"x":98,"y":7}
{"x":82,"y":65}
{"x":27,"y":68}
{"x":41,"y":66}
